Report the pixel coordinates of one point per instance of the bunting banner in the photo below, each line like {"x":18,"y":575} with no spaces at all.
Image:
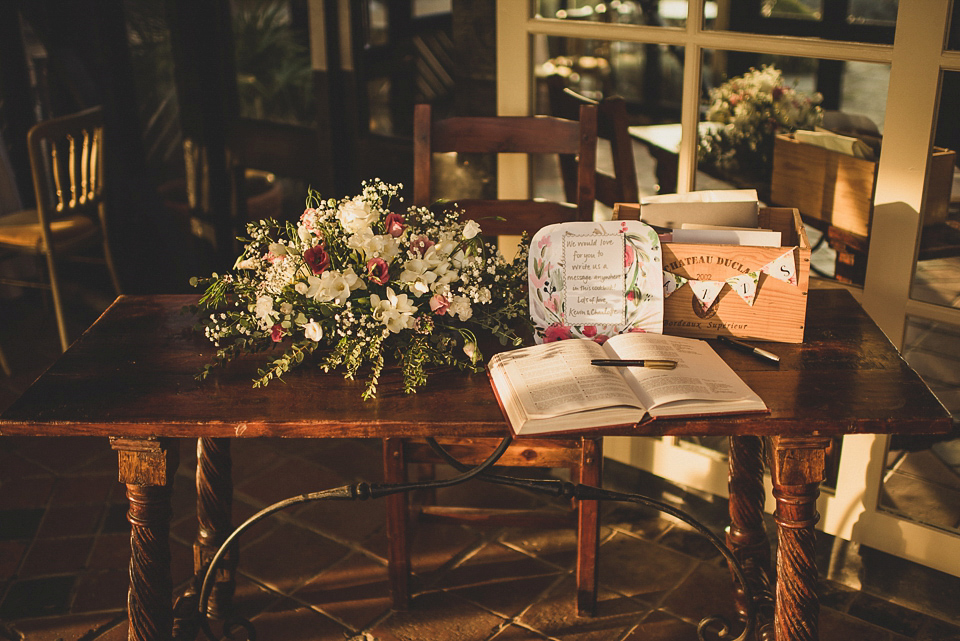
{"x":706,"y":291}
{"x":746,"y":285}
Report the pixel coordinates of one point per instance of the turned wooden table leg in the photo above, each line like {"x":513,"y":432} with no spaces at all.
{"x":798,"y":469}
{"x":747,"y":535}
{"x":147,"y":468}
{"x":214,"y":516}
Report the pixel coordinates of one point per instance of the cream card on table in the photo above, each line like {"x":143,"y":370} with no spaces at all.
{"x":595,"y":279}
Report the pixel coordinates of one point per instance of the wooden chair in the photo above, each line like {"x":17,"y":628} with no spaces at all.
{"x":66,"y":159}
{"x":284,"y":150}
{"x":620,"y":186}
{"x":581,"y":455}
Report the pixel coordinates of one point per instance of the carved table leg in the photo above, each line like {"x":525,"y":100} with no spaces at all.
{"x":147,"y":468}
{"x":214,"y":516}
{"x":798,"y":469}
{"x":747,"y":535}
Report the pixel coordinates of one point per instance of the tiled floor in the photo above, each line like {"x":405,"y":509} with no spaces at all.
{"x":317,"y":570}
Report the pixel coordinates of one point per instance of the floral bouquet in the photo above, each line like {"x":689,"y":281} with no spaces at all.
{"x":751,"y":110}
{"x":358,"y":282}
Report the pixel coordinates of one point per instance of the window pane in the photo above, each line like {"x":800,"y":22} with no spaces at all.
{"x":648,"y":76}
{"x":921,"y":480}
{"x":937,"y":276}
{"x":670,"y":13}
{"x":833,"y":191}
{"x":953,"y":41}
{"x":861,"y":21}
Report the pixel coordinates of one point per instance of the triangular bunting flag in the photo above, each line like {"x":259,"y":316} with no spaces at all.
{"x":746,"y":285}
{"x":783,"y":268}
{"x":672,"y":282}
{"x":706,"y":291}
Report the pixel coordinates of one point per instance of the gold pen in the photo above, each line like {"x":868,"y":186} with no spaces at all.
{"x":653,"y":363}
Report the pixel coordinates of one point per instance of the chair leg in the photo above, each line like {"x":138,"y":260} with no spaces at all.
{"x":4,"y":365}
{"x":108,"y":255}
{"x":398,"y":552}
{"x":588,"y":528}
{"x":57,"y":303}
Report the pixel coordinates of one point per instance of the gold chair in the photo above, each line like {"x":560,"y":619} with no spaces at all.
{"x":582,"y":455}
{"x":66,"y":159}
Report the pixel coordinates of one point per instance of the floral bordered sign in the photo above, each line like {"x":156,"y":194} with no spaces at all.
{"x":594,"y":280}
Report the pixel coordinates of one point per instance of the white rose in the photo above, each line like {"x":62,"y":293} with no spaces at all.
{"x":312,"y":331}
{"x":471,"y":229}
{"x":356,"y":214}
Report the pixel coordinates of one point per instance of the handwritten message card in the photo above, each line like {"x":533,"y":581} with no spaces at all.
{"x":594,"y":291}
{"x":594,"y":280}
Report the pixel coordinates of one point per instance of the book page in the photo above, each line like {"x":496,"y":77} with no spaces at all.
{"x":557,"y":378}
{"x":700,"y":375}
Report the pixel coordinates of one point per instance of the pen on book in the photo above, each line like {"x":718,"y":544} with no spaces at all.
{"x":655,"y":363}
{"x":750,"y":349}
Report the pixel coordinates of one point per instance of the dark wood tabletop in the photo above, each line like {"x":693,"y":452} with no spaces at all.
{"x":132,"y":374}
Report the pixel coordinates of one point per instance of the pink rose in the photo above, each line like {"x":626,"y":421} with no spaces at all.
{"x":439,"y":304}
{"x":544,"y":241}
{"x":378,"y":271}
{"x":317,"y":258}
{"x":421,"y":244}
{"x":629,"y":254}
{"x":393,"y":223}
{"x":556,"y":333}
{"x":589,"y":331}
{"x":276,"y":333}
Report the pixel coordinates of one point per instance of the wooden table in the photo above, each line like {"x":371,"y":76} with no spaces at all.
{"x":130,"y":377}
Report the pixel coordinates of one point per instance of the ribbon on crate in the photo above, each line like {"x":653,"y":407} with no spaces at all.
{"x":782,"y":268}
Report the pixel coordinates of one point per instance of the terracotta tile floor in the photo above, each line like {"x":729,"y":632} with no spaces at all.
{"x":318,"y":571}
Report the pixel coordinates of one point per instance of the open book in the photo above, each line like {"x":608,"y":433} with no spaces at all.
{"x":553,"y":387}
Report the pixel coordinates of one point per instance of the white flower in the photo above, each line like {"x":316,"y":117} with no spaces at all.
{"x":331,"y":285}
{"x":417,"y":275}
{"x":264,"y":311}
{"x":460,"y":307}
{"x":395,"y":311}
{"x":247,"y":263}
{"x":356,"y":214}
{"x":471,"y":229}
{"x":353,"y":281}
{"x":373,"y":245}
{"x":312,"y":331}
{"x":470,"y":349}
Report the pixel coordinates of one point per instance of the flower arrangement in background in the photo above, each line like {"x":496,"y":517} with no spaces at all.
{"x":359,"y":282}
{"x":750,"y":110}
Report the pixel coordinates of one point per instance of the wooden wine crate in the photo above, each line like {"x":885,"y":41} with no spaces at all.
{"x":779,"y":310}
{"x":838,"y":189}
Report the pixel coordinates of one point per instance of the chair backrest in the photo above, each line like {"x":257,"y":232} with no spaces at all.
{"x":612,"y":122}
{"x":509,"y":134}
{"x":66,"y":158}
